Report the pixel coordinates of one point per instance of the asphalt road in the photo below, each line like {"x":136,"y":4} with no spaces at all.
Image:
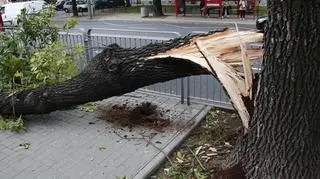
{"x":181,"y":28}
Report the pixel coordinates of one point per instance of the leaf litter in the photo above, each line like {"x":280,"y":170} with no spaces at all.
{"x":206,"y":149}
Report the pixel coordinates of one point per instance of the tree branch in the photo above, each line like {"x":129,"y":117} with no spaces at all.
{"x":113,"y":72}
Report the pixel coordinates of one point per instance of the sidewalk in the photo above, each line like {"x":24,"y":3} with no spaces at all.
{"x":74,"y":144}
{"x":168,"y":18}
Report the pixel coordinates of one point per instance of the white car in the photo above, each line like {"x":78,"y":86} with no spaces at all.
{"x":38,"y":5}
{"x":82,"y":6}
{"x":67,"y":6}
{"x":11,"y":11}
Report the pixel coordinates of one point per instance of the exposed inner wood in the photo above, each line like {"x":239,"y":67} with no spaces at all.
{"x":246,"y":67}
{"x":222,"y":54}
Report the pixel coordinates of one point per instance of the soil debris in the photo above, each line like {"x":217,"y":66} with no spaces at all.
{"x":145,"y":114}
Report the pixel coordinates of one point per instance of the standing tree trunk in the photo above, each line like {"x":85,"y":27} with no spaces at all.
{"x":74,"y":8}
{"x":284,"y":137}
{"x":128,"y":3}
{"x":157,"y":8}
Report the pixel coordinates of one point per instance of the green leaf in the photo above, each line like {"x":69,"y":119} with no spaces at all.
{"x":25,"y":145}
{"x":199,"y":175}
{"x":88,"y":107}
{"x":71,"y":23}
{"x":14,"y":125}
{"x":102,"y":148}
{"x":18,"y":74}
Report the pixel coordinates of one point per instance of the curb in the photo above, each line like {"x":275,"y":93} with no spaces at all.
{"x":158,"y":160}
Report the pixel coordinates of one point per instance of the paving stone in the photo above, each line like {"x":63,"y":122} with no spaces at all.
{"x":65,"y":145}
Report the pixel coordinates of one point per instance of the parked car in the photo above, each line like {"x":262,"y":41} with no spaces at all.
{"x":59,"y":5}
{"x":82,"y":6}
{"x":67,"y":6}
{"x":102,"y":4}
{"x":38,"y":5}
{"x":11,"y":11}
{"x":262,"y":23}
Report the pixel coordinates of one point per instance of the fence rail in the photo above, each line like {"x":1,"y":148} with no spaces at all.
{"x":204,"y":89}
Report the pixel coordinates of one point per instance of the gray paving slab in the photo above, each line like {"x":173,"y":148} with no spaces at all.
{"x":65,"y":145}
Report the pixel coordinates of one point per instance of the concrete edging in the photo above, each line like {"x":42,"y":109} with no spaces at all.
{"x":158,"y":160}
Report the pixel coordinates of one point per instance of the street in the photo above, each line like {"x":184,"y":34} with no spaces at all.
{"x":182,"y":28}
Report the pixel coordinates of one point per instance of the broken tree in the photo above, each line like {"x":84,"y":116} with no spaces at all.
{"x":116,"y":71}
{"x":283,"y":141}
{"x":283,"y":137}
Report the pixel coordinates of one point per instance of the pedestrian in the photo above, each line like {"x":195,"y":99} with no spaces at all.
{"x":226,"y":8}
{"x":242,"y":8}
{"x":202,"y":7}
{"x":182,"y":7}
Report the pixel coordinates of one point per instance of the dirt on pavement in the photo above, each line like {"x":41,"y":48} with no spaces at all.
{"x":144,"y":114}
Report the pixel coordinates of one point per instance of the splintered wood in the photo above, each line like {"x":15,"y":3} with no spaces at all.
{"x":225,"y":55}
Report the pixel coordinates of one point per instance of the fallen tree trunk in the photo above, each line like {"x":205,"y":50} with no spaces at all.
{"x":109,"y":74}
{"x":116,"y":71}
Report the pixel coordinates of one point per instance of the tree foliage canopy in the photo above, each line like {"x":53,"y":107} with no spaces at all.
{"x":31,"y":54}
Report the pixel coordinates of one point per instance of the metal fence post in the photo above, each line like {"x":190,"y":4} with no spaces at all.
{"x":182,"y":91}
{"x":89,"y":44}
{"x":86,"y":46}
{"x":188,"y":91}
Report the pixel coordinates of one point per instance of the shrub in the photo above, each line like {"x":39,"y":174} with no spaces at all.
{"x":31,"y":55}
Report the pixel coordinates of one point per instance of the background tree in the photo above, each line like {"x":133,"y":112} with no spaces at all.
{"x":283,"y":141}
{"x":128,"y":3}
{"x":157,"y":7}
{"x":74,"y":8}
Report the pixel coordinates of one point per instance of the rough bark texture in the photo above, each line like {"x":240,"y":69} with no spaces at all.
{"x":285,"y":130}
{"x":113,"y":72}
{"x":157,"y":8}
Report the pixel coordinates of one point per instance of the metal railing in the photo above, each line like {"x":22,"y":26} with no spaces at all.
{"x":204,"y":89}
{"x":101,"y":37}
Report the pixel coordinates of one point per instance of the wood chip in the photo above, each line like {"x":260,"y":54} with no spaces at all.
{"x":198,"y":150}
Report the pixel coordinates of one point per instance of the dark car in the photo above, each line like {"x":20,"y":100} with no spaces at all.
{"x":59,"y":5}
{"x":102,"y":4}
{"x":262,"y":23}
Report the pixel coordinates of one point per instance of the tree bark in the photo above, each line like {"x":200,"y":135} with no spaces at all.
{"x":283,"y":141}
{"x":113,"y":72}
{"x":157,"y":8}
{"x":74,"y":8}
